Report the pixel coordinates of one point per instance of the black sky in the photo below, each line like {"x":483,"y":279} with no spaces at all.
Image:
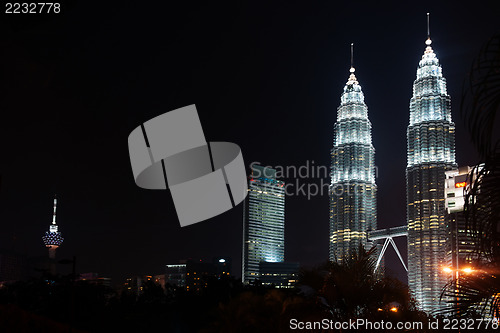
{"x":265,"y":76}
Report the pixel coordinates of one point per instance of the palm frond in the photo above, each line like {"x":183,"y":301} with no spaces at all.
{"x":474,"y":295}
{"x":481,"y":98}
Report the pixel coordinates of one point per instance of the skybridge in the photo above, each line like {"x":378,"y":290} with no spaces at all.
{"x":388,"y":234}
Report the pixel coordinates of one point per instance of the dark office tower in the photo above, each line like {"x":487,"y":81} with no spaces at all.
{"x":431,"y":152}
{"x":263,"y":222}
{"x":460,"y":238}
{"x":353,"y":210}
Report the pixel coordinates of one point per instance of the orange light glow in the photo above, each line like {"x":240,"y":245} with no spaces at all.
{"x":394,"y":309}
{"x":467,"y":270}
{"x":447,"y":270}
{"x":462,"y":184}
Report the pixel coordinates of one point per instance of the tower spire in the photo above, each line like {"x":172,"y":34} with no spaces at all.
{"x":352,"y":78}
{"x":428,"y":27}
{"x":352,"y":58}
{"x":55,"y":206}
{"x":428,"y":42}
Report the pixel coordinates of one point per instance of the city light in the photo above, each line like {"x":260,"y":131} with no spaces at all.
{"x":394,"y":309}
{"x":467,"y":270}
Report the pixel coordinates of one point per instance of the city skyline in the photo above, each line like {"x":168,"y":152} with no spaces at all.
{"x":256,"y":69}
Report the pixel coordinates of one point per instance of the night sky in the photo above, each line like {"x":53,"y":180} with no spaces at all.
{"x":267,"y":77}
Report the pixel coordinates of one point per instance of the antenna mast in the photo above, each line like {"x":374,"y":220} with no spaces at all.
{"x":55,"y":206}
{"x":428,"y":42}
{"x":428,"y":27}
{"x":352,"y":58}
{"x":352,"y":54}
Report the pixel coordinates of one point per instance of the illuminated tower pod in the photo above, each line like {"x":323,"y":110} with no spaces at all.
{"x":53,"y":238}
{"x":353,"y":211}
{"x":263,"y":222}
{"x":431,"y":152}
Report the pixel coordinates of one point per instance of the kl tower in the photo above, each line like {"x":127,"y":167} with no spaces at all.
{"x":53,"y":239}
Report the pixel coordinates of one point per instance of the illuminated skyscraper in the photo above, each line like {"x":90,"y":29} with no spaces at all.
{"x":353,"y":210}
{"x":53,"y":238}
{"x":431,"y":152}
{"x":263,"y":222}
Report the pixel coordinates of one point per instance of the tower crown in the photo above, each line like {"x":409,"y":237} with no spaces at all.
{"x":352,"y":94}
{"x":429,"y":65}
{"x":353,"y":128}
{"x":430,"y":101}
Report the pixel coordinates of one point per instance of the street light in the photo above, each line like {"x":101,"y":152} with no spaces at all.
{"x":456,"y":272}
{"x":467,"y":270}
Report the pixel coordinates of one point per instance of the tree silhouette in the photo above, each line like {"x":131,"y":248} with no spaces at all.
{"x":353,"y":289}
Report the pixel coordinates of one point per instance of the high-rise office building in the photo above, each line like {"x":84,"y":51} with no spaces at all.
{"x":279,"y":274}
{"x":263,"y":222}
{"x":353,"y":210}
{"x":431,"y":152}
{"x":460,"y":244}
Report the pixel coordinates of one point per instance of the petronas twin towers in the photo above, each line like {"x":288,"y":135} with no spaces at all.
{"x":430,"y":151}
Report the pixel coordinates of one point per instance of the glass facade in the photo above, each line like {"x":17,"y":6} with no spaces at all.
{"x":431,"y":152}
{"x":353,"y":210}
{"x":263,"y":222}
